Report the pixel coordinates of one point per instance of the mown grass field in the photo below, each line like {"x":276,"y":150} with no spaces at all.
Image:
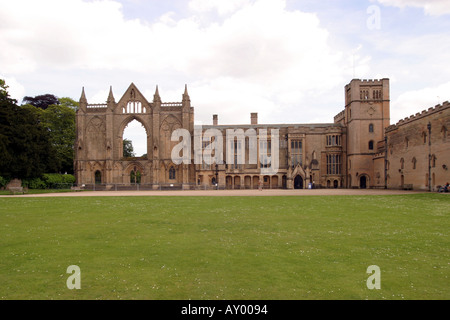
{"x":309,"y":247}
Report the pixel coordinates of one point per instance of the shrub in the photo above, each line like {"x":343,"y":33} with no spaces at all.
{"x":35,"y":183}
{"x":3,"y":182}
{"x":49,"y":181}
{"x":68,"y":178}
{"x":58,"y":181}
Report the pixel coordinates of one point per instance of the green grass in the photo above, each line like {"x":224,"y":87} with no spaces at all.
{"x":308,"y":247}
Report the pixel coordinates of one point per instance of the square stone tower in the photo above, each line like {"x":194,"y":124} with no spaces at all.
{"x":366,"y":116}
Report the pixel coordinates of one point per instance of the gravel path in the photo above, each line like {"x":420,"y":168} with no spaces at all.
{"x":279,"y":192}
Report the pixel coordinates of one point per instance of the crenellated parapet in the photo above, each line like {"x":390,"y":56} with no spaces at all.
{"x":339,"y":116}
{"x":419,"y":115}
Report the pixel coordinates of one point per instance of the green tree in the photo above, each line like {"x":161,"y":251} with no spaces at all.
{"x":59,"y":121}
{"x":4,"y":94}
{"x":68,"y":102}
{"x":128,"y":151}
{"x":6,"y":106}
{"x":41,"y":101}
{"x":25,"y":148}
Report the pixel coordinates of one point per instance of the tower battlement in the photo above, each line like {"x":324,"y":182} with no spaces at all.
{"x":419,"y":115}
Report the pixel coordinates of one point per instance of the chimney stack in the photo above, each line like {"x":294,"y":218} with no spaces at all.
{"x":254,"y":118}
{"x":215,"y":120}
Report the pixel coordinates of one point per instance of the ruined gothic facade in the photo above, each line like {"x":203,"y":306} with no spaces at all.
{"x":360,"y":149}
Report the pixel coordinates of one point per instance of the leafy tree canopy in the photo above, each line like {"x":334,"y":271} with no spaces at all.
{"x":68,"y":102}
{"x":59,"y":120}
{"x":25,"y":147}
{"x":4,"y":94}
{"x":128,"y":151}
{"x":41,"y":101}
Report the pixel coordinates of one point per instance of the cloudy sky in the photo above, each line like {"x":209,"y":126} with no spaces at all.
{"x":288,"y":60}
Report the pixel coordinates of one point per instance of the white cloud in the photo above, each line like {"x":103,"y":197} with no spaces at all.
{"x":260,"y":57}
{"x":98,"y":97}
{"x":412,"y":102}
{"x":15,"y":89}
{"x":431,"y":7}
{"x":220,"y":6}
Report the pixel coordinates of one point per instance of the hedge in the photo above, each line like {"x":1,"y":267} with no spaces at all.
{"x":50,"y":181}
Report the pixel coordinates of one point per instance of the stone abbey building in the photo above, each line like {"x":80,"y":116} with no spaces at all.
{"x":360,"y":149}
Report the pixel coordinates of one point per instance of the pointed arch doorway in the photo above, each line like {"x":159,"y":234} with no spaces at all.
{"x":363,"y":182}
{"x":298,"y":182}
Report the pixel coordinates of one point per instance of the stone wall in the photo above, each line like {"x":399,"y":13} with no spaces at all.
{"x":411,"y":156}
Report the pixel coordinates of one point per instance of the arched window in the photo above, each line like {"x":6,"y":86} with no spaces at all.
{"x":172,"y":173}
{"x":370,"y":127}
{"x":135,"y":176}
{"x":414,"y":161}
{"x":402,"y":163}
{"x":371,"y":145}
{"x":135,"y":140}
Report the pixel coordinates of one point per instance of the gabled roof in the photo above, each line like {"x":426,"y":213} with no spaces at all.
{"x":132,"y":93}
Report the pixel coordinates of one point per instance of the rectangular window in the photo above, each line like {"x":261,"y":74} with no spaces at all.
{"x":206,"y":145}
{"x":236,"y":146}
{"x":333,"y":164}
{"x":237,"y":149}
{"x":296,"y":152}
{"x":333,"y":140}
{"x":172,"y":173}
{"x":265,"y":149}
